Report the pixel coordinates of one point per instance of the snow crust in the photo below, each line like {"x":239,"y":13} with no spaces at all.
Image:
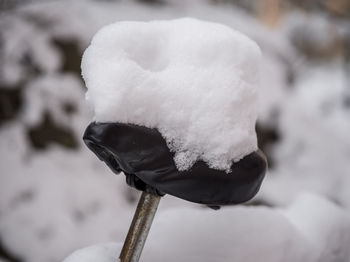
{"x":194,"y":81}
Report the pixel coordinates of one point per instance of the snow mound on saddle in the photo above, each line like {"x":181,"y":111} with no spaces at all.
{"x":194,"y":81}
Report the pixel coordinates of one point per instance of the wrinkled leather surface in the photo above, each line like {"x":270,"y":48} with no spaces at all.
{"x":142,"y":154}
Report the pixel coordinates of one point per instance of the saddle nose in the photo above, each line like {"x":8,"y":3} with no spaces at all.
{"x":143,"y":155}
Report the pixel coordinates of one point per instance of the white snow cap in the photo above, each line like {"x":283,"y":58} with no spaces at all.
{"x":194,"y":81}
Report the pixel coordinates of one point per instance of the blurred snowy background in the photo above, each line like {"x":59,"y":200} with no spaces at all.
{"x":56,"y":197}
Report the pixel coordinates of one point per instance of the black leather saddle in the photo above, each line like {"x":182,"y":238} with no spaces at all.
{"x":143,"y":156}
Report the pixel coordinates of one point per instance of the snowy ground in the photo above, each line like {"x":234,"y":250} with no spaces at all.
{"x":242,"y":234}
{"x":56,"y":197}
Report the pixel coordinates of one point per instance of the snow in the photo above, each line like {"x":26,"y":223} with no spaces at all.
{"x":300,"y":232}
{"x":313,"y":153}
{"x":55,"y":201}
{"x":324,"y":224}
{"x":44,"y":98}
{"x":101,"y":252}
{"x":194,"y":81}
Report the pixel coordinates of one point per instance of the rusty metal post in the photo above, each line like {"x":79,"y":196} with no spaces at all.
{"x":139,"y":228}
